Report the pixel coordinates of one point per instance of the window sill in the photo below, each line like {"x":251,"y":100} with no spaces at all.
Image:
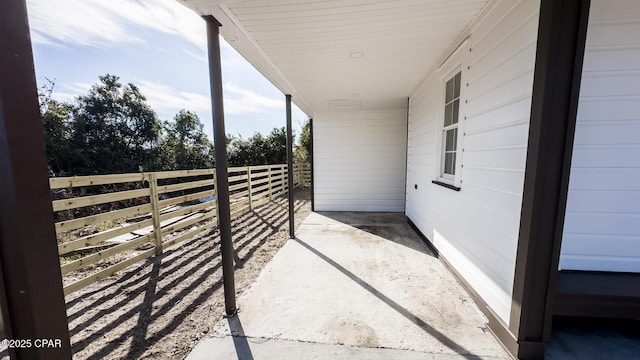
{"x":448,"y":186}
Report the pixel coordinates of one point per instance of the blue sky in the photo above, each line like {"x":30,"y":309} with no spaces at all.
{"x":160,"y":46}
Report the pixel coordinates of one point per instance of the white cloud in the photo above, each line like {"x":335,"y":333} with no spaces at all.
{"x":104,"y":23}
{"x":202,"y":58}
{"x":237,"y":101}
{"x":166,"y":99}
{"x":69,"y":91}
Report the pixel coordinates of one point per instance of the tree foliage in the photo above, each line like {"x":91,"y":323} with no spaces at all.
{"x":185,"y":145}
{"x":303,"y":150}
{"x":258,"y":149}
{"x":112,"y":129}
{"x":56,"y":118}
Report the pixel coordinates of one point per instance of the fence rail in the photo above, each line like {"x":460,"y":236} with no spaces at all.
{"x":302,"y":174}
{"x":127,"y":218}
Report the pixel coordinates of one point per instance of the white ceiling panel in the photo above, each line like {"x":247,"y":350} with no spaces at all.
{"x":366,"y":52}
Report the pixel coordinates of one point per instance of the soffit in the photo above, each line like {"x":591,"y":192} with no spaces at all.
{"x":311,"y":49}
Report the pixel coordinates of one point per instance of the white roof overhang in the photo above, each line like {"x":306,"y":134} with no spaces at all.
{"x":336,"y":55}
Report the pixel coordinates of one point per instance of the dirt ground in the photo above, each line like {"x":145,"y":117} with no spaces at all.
{"x":161,"y":307}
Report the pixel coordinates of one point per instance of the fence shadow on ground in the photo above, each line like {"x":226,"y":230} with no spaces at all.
{"x":141,"y":306}
{"x":442,"y":338}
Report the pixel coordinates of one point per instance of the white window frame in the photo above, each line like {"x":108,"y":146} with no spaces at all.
{"x":453,"y":126}
{"x":456,"y":63}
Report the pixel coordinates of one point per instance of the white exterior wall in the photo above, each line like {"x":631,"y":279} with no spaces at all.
{"x":476,"y":229}
{"x":602,"y":224}
{"x":360,"y":160}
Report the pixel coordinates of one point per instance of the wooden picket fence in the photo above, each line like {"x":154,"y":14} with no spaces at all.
{"x":142,"y":214}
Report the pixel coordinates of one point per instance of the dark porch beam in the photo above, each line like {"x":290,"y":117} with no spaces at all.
{"x":560,"y":52}
{"x":33,"y":307}
{"x":290,"y":169}
{"x":222,"y":173}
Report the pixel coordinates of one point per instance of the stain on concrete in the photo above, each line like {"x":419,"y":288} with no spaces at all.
{"x":364,"y":280}
{"x":349,"y":331}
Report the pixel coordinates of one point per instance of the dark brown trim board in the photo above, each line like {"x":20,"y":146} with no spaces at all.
{"x":222,"y":174}
{"x":426,"y":240}
{"x":34,"y":306}
{"x":558,"y":69}
{"x":5,"y":324}
{"x":313,"y":202}
{"x":499,"y":329}
{"x":406,"y":154}
{"x":291,"y":193}
{"x":598,"y":294}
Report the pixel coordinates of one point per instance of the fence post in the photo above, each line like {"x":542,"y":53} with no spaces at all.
{"x":155,"y":212}
{"x":269,"y":181}
{"x":249,"y":188}
{"x":295,"y":175}
{"x":285,"y":179}
{"x":215,"y":194}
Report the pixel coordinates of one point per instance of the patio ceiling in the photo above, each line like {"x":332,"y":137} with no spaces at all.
{"x":343,"y":54}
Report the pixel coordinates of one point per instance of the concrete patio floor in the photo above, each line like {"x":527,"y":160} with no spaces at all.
{"x":356,"y":285}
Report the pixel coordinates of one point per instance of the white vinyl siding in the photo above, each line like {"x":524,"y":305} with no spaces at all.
{"x":360,"y":160}
{"x":602,"y":223}
{"x":476,"y":229}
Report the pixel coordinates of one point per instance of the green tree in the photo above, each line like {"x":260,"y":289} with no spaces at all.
{"x":115,"y":128}
{"x":277,"y":146}
{"x":249,"y":152}
{"x":185,"y":145}
{"x":56,"y":118}
{"x":258,"y":149}
{"x":303,"y":150}
{"x":112,"y":129}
